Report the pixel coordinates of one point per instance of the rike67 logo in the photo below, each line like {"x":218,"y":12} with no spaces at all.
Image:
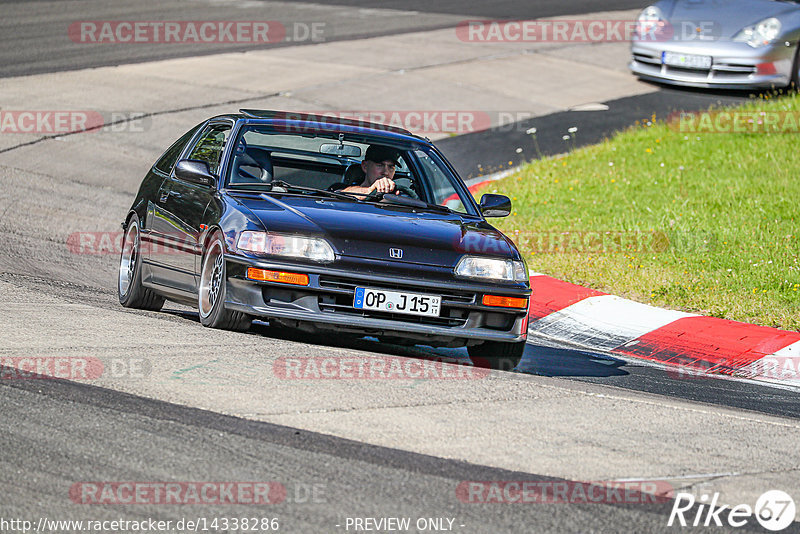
{"x":774,"y":510}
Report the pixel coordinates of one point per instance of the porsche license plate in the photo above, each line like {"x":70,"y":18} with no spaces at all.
{"x":397,"y":302}
{"x":689,"y":61}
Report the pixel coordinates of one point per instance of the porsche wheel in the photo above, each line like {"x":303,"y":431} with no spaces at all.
{"x":211,"y":296}
{"x":131,"y":292}
{"x":795,"y":80}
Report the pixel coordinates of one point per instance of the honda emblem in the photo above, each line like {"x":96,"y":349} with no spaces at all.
{"x":396,"y":253}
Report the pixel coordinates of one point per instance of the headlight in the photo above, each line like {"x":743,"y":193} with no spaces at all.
{"x":290,"y":246}
{"x":491,"y":269}
{"x":760,"y":34}
{"x":651,"y":21}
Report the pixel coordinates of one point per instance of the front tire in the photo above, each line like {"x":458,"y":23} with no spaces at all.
{"x":496,"y":354}
{"x":131,"y":292}
{"x":212,"y":291}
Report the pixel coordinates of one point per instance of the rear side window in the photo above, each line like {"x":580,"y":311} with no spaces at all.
{"x":167,"y":161}
{"x":209,"y":147}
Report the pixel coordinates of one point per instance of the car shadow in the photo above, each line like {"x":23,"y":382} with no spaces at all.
{"x":364,"y":343}
{"x":744,"y":94}
{"x":549,"y":361}
{"x":537,"y":359}
{"x":351,"y":341}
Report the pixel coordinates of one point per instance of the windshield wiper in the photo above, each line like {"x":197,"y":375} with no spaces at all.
{"x":305,"y":189}
{"x":439,"y":207}
{"x":397,"y":200}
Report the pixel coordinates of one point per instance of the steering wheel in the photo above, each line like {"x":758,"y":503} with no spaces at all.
{"x":406,"y":190}
{"x":374,"y":195}
{"x":377,"y":195}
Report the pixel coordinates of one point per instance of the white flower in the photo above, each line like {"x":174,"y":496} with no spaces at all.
{"x":530,"y":131}
{"x":519,"y":151}
{"x":572,"y":130}
{"x":565,"y":138}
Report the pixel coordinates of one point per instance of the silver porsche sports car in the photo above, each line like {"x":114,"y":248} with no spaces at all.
{"x":728,"y":44}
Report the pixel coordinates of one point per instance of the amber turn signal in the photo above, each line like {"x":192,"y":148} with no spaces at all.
{"x":263,"y":275}
{"x":505,"y":302}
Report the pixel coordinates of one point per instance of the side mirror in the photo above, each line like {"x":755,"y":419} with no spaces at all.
{"x":195,"y":172}
{"x":495,"y":205}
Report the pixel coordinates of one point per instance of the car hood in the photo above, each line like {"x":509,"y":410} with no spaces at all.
{"x":369,"y":230}
{"x":728,"y":17}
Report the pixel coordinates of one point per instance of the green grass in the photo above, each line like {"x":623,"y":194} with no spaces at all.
{"x":700,"y":222}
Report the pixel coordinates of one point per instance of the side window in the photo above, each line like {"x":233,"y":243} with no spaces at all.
{"x":210,"y":145}
{"x":444,"y":193}
{"x":170,"y":157}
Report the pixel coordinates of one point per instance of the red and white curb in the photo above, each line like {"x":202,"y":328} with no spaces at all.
{"x":688,"y":345}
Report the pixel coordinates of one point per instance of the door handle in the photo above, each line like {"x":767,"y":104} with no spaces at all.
{"x":166,"y":194}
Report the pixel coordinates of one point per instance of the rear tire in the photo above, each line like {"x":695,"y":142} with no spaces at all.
{"x":131,"y":292}
{"x":795,"y":80}
{"x":496,"y":354}
{"x":211,"y":293}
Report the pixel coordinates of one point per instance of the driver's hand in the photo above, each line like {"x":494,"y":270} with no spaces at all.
{"x":384,"y":185}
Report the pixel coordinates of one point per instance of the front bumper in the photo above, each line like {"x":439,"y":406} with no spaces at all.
{"x":734,"y":65}
{"x":327,"y":304}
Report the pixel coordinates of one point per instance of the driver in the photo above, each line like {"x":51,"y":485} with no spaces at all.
{"x":379,"y":165}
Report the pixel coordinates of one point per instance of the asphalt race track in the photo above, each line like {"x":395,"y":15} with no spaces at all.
{"x":179,"y":403}
{"x":331,"y":477}
{"x":32,"y":31}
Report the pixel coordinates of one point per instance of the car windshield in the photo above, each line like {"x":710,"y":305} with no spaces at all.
{"x":268,"y":160}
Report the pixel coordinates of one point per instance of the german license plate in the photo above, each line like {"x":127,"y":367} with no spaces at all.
{"x":688,"y":61}
{"x":397,"y":302}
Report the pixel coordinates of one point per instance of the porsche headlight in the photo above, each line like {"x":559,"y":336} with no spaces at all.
{"x":651,"y":21}
{"x":760,"y":34}
{"x":290,"y":246}
{"x":491,"y":269}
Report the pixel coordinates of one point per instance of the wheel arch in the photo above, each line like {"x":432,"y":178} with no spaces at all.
{"x":210,"y":232}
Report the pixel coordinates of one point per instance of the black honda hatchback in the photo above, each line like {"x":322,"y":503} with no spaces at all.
{"x":279,"y":216}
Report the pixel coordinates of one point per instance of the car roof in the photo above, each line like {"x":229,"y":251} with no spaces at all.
{"x":307,"y":123}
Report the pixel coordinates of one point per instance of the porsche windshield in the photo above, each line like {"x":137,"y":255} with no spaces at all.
{"x":263,"y":156}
